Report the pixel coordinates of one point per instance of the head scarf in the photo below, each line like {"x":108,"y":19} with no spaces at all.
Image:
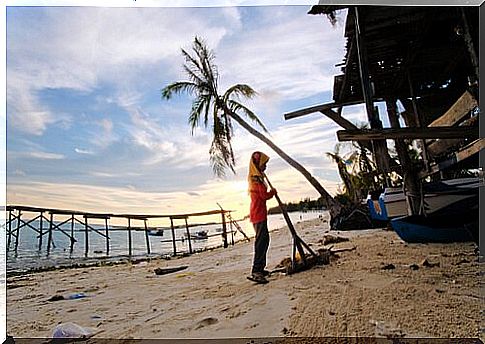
{"x":258,"y":159}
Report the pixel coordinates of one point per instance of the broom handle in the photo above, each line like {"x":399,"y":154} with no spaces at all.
{"x":296,"y":239}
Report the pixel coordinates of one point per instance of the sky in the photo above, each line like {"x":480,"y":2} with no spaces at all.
{"x":87,"y":129}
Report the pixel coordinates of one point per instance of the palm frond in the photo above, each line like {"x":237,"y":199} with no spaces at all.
{"x":206,"y":58}
{"x":199,"y":107}
{"x":178,"y":87}
{"x":240,"y":90}
{"x":240,"y":108}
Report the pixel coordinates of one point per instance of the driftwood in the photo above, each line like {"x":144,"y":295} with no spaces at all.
{"x":164,"y":271}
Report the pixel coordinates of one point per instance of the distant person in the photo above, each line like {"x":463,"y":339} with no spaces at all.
{"x":258,"y":214}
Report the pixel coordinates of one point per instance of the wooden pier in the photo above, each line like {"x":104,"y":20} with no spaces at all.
{"x":46,"y":221}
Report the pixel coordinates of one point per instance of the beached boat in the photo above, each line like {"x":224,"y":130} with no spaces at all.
{"x":200,"y":235}
{"x":458,"y":222}
{"x":156,"y":232}
{"x":437,"y":195}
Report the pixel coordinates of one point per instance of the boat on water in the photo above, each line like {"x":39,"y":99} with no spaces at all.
{"x":458,"y":222}
{"x":156,"y":232}
{"x":437,"y":195}
{"x":200,"y":235}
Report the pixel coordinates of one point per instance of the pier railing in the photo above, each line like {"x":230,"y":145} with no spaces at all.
{"x":43,"y":222}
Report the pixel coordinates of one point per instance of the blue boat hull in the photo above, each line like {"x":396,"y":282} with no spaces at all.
{"x":410,"y":230}
{"x":456,"y":223}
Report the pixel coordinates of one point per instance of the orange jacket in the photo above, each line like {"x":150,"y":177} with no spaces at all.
{"x":259,"y":196}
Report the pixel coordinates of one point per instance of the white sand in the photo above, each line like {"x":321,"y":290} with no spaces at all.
{"x":352,"y":296}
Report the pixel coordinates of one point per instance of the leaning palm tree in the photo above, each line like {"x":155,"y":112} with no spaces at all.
{"x":344,"y":174}
{"x":223,"y":108}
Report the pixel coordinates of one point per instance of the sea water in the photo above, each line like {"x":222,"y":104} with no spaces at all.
{"x":28,"y":256}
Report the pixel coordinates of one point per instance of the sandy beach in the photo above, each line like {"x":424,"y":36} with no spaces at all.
{"x":430,"y":290}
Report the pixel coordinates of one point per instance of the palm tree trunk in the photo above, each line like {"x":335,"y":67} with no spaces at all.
{"x":333,"y":206}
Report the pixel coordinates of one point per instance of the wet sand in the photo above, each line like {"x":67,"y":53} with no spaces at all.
{"x":432,"y":291}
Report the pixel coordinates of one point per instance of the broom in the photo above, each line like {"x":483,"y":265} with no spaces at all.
{"x":298,"y":243}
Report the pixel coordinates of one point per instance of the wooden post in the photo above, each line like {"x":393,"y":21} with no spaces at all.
{"x":147,"y":237}
{"x":224,"y":230}
{"x":49,"y":237}
{"x":72,"y":234}
{"x":411,"y":183}
{"x":417,"y":115}
{"x":40,"y":230}
{"x":188,"y":236}
{"x":9,"y":238}
{"x":86,"y":236}
{"x":18,"y":230}
{"x":232,"y":233}
{"x":173,"y":238}
{"x":469,"y":44}
{"x":129,"y":237}
{"x":107,"y":234}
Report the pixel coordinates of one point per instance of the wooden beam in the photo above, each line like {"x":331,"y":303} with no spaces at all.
{"x":408,"y":133}
{"x":457,"y":111}
{"x":466,"y":152}
{"x":437,"y":147}
{"x":319,"y":108}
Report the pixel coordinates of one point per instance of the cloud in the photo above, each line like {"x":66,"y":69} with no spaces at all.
{"x":45,"y":155}
{"x":83,"y":151}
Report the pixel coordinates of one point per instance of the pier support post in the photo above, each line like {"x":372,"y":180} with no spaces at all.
{"x":49,"y":238}
{"x":129,"y":237}
{"x":224,"y":230}
{"x":17,"y":231}
{"x":173,"y":238}
{"x":107,"y":237}
{"x":147,"y":237}
{"x":72,"y":234}
{"x":86,"y":236}
{"x":188,"y":236}
{"x":9,"y":237}
{"x":41,"y":230}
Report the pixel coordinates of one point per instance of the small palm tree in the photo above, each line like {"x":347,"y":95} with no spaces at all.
{"x":221,"y":109}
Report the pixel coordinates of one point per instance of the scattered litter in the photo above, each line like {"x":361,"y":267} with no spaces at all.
{"x":71,"y":330}
{"x":76,"y":296}
{"x":388,"y":267}
{"x":426,"y":263}
{"x":70,"y":297}
{"x":332,"y":239}
{"x":164,"y":271}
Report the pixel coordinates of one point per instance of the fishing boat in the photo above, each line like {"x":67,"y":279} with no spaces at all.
{"x":437,"y":195}
{"x":200,"y":235}
{"x":156,"y":232}
{"x":458,"y":222}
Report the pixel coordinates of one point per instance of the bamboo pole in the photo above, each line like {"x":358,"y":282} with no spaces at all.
{"x":129,"y":237}
{"x":107,"y":237}
{"x":49,"y":237}
{"x":224,"y":230}
{"x":86,"y":236}
{"x":40,"y":230}
{"x":188,"y":236}
{"x":173,"y":237}
{"x":147,"y":237}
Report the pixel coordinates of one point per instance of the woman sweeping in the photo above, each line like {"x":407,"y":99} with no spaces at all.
{"x":258,"y":214}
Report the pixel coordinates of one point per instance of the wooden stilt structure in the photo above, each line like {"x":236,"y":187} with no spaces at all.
{"x":38,"y":224}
